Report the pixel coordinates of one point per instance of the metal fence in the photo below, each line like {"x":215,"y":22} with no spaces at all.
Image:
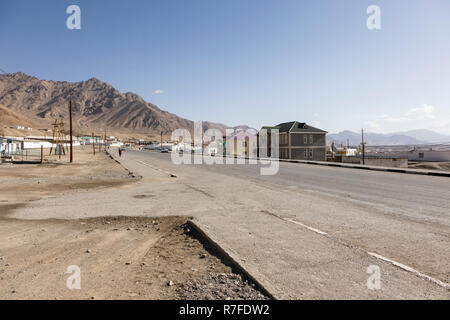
{"x":23,"y":156}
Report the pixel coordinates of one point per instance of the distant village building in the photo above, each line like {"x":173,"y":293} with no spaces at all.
{"x":9,"y":145}
{"x":298,"y":141}
{"x":241,"y":143}
{"x":90,"y":140}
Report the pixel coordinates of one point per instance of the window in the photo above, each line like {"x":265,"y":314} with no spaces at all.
{"x":305,"y":154}
{"x":305,"y":139}
{"x":310,"y":154}
{"x":310,"y":139}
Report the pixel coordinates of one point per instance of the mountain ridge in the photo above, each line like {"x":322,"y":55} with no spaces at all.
{"x":96,"y":105}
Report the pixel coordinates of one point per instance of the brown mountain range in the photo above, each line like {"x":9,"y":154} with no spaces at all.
{"x":26,"y":100}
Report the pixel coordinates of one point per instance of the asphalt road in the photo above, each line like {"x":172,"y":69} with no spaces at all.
{"x":425,"y":197}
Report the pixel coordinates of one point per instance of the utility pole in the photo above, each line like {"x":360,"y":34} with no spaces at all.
{"x":104,"y":141}
{"x":160,"y":148}
{"x":93,"y":143}
{"x":332,"y":149}
{"x":71,"y":139}
{"x":363,"y":147}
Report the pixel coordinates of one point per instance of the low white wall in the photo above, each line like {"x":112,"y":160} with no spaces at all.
{"x":45,"y":144}
{"x":432,"y":156}
{"x":394,"y":163}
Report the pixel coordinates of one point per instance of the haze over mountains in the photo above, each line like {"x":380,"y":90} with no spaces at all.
{"x":96,"y":106}
{"x":413,"y":137}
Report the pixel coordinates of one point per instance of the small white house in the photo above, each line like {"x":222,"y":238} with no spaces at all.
{"x":10,"y":146}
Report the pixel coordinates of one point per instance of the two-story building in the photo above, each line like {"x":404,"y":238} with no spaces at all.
{"x":241,"y":143}
{"x":299,"y":141}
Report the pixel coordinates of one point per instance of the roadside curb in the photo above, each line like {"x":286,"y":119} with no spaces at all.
{"x":216,"y":247}
{"x":355,"y":166}
{"x":373,"y":168}
{"x":228,"y":258}
{"x":131,"y":173}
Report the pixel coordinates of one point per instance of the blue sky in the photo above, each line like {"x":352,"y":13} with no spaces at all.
{"x":255,"y":62}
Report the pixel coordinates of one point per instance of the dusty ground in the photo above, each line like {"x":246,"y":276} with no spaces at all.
{"x":28,"y":182}
{"x":119,"y":257}
{"x":442,"y":166}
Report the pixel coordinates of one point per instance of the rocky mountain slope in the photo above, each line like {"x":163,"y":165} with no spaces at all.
{"x":96,"y":106}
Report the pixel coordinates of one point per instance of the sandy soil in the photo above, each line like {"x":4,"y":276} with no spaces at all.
{"x":442,"y":166}
{"x":118,"y":257}
{"x":27,"y":182}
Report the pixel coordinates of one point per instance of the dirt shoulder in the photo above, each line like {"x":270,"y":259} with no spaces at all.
{"x":21,"y":183}
{"x":118,"y":258}
{"x":441,"y":166}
